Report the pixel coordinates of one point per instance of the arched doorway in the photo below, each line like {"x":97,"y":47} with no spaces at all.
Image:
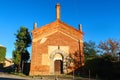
{"x":57,"y":62}
{"x":58,"y":66}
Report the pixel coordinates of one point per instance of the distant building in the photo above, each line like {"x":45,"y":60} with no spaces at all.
{"x":57,"y":48}
{"x":8,"y":62}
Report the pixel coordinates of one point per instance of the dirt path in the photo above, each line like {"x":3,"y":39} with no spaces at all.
{"x":6,"y":76}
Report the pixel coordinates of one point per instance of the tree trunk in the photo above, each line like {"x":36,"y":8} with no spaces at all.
{"x":18,"y":68}
{"x":19,"y":65}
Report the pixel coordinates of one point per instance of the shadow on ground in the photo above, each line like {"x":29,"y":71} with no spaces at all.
{"x":3,"y":78}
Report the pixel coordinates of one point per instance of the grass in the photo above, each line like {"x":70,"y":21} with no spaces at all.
{"x":19,"y":74}
{"x":61,"y":76}
{"x":57,"y":76}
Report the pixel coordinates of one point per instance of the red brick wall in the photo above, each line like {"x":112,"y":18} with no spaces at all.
{"x":53,"y":40}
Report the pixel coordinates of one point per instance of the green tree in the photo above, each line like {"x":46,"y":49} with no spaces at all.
{"x":2,"y":54}
{"x":90,"y":50}
{"x":20,"y":54}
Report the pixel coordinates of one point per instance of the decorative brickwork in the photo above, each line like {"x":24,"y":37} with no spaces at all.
{"x":52,"y":44}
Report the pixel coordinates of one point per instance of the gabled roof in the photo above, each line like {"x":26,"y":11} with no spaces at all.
{"x":57,"y":26}
{"x":8,"y":59}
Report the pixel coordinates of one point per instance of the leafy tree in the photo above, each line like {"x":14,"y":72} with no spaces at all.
{"x":16,"y":57}
{"x":20,"y":54}
{"x":90,"y":50}
{"x":109,"y":46}
{"x":68,"y":61}
{"x":2,"y":54}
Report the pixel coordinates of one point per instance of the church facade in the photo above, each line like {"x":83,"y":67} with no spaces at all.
{"x":57,"y":48}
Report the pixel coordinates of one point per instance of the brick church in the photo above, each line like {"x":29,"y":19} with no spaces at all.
{"x":57,"y":48}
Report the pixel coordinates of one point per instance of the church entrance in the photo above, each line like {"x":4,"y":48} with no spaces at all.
{"x":58,"y":66}
{"x":56,"y":62}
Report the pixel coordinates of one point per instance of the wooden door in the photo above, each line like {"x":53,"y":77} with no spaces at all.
{"x":58,"y":66}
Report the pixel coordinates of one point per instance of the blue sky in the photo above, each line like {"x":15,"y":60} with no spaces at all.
{"x":100,"y":18}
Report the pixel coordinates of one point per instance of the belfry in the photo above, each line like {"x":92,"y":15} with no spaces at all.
{"x":57,"y":48}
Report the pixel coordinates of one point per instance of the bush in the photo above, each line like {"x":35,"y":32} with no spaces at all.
{"x":103,"y":67}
